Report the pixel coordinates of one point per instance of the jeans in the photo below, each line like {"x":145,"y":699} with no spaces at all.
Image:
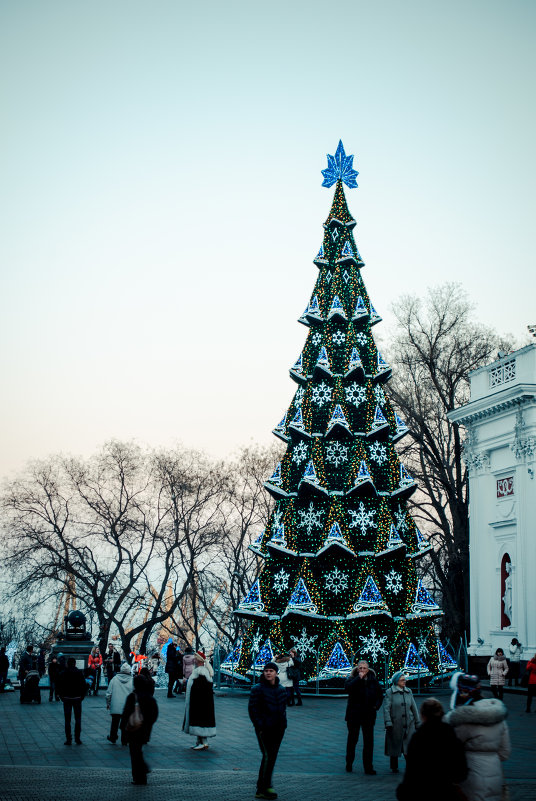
{"x":74,"y":704}
{"x":269,"y":742}
{"x":53,"y":691}
{"x":367,"y":727}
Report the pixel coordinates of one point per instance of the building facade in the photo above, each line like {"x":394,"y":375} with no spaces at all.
{"x":500,"y":453}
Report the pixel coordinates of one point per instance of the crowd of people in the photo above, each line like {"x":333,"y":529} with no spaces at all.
{"x":458,"y":753}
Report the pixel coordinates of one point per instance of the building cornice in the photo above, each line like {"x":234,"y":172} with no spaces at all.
{"x":510,"y":398}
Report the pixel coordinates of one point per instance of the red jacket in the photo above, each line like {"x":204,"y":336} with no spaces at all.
{"x":531,"y":669}
{"x":94,"y":662}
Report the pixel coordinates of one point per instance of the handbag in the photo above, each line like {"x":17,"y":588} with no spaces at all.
{"x":135,"y":719}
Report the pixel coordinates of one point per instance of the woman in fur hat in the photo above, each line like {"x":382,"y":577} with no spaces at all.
{"x":199,"y":719}
{"x":480,"y":724}
{"x":401,"y":718}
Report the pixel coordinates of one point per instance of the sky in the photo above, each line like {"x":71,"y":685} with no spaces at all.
{"x":161,"y":198}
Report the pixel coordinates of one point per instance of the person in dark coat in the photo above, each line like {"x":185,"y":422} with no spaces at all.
{"x":41,"y":663}
{"x":178,"y":688}
{"x":27,"y":663}
{"x":268,"y":712}
{"x":72,"y":689}
{"x":365,"y":697}
{"x":112,"y":662}
{"x":172,"y":668}
{"x":4,"y":667}
{"x":435,"y":761}
{"x":137,"y":738}
{"x":199,"y":716}
{"x":53,"y":673}
{"x":295,"y":674}
{"x":144,"y":671}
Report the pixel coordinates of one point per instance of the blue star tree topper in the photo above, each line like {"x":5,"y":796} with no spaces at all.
{"x":340,"y":166}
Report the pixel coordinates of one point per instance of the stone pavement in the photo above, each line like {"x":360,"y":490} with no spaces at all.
{"x":35,"y":765}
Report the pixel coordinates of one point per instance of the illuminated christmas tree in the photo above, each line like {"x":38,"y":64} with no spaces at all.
{"x":339,"y":580}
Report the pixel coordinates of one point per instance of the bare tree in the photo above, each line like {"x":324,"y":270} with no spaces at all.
{"x":437,"y":344}
{"x":234,"y":567}
{"x":117,"y":531}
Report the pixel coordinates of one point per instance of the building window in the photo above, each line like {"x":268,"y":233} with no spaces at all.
{"x":505,"y":487}
{"x":502,"y":374}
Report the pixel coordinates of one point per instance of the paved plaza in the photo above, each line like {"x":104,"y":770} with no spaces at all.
{"x":35,"y":765}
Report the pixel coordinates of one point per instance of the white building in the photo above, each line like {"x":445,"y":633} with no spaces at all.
{"x":500,"y":452}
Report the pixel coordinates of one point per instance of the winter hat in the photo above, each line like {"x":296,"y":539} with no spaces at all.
{"x":396,"y":676}
{"x":462,"y":683}
{"x":125,"y":668}
{"x":271,"y":666}
{"x":200,"y":655}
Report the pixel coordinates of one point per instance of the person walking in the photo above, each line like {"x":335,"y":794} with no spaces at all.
{"x":139,"y":716}
{"x":284,"y":662}
{"x":480,"y":724}
{"x":94,"y":663}
{"x":294,"y":673}
{"x":119,"y":688}
{"x":188,"y":664}
{"x":172,"y":668}
{"x":497,"y":671}
{"x":365,"y":697}
{"x":516,"y":651}
{"x":72,"y":690}
{"x":112,"y":662}
{"x":268,"y":712}
{"x":53,"y":673}
{"x":435,"y":761}
{"x":4,"y":667}
{"x":531,"y":686}
{"x":199,"y":718}
{"x":401,"y":718}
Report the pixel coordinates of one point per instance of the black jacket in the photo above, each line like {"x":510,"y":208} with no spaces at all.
{"x":54,"y":670}
{"x":365,"y":697}
{"x":172,"y":663}
{"x":434,"y":763}
{"x":268,"y":705}
{"x":71,"y":684}
{"x":149,"y":710}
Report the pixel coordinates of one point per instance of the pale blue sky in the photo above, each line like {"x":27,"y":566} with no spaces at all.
{"x":161,"y":198}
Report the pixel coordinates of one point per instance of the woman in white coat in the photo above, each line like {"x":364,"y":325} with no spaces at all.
{"x":120,"y":686}
{"x":480,"y":724}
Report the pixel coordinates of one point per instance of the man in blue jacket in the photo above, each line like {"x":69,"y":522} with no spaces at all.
{"x":268,"y":712}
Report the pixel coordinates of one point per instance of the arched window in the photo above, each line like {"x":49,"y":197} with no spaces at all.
{"x":506,"y":591}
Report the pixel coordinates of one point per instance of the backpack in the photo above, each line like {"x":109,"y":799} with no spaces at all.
{"x":135,"y":719}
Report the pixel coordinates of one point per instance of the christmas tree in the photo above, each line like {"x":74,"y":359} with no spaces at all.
{"x":339,"y":580}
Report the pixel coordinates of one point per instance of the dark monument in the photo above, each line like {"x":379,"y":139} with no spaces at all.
{"x":74,"y":640}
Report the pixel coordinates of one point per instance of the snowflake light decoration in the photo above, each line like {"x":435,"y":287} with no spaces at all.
{"x":401,"y":520}
{"x":310,"y":518}
{"x":336,"y":581}
{"x":374,"y":644}
{"x":340,"y":167}
{"x":378,"y":452}
{"x":393,"y":582}
{"x":299,"y":452}
{"x":276,"y":521}
{"x":304,"y":644}
{"x":316,"y":339}
{"x":281,"y":580}
{"x":355,"y":394}
{"x":362,"y":518}
{"x":422,"y":644}
{"x":255,"y":642}
{"x":321,"y":394}
{"x":379,"y":394}
{"x":361,"y":338}
{"x":298,"y":398}
{"x":336,"y":453}
{"x":338,"y":337}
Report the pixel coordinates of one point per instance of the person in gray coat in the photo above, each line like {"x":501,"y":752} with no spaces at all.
{"x":119,"y":688}
{"x":401,"y":718}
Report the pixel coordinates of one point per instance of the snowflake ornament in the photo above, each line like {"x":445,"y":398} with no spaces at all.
{"x":378,"y":452}
{"x":336,"y":453}
{"x":298,"y":398}
{"x":401,"y":520}
{"x":362,"y":518}
{"x":321,"y":394}
{"x":255,"y":642}
{"x":393,"y":582}
{"x":338,"y":338}
{"x":276,"y":521}
{"x":361,"y":338}
{"x":422,"y":644}
{"x":299,"y":452}
{"x":336,"y":581}
{"x":379,"y":394}
{"x":281,"y":580}
{"x":316,"y":339}
{"x":374,"y":645}
{"x":355,"y":394}
{"x":304,"y":644}
{"x":310,"y":518}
